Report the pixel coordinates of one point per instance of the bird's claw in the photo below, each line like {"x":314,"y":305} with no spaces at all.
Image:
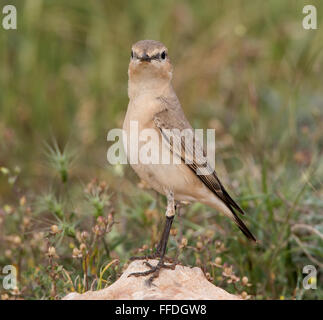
{"x":154,"y":270}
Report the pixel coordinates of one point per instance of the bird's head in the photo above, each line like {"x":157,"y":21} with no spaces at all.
{"x":149,"y":62}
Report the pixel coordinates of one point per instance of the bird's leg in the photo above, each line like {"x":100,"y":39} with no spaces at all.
{"x":162,"y":245}
{"x":170,"y":212}
{"x":159,"y":250}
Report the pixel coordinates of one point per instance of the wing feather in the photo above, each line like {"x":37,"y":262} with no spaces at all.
{"x":171,"y":122}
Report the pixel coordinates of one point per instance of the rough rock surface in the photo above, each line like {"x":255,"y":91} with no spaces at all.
{"x":179,"y":284}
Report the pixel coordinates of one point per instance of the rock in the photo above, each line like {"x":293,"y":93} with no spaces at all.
{"x":179,"y":284}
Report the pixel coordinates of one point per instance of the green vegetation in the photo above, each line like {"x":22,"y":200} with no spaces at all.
{"x":70,"y":221}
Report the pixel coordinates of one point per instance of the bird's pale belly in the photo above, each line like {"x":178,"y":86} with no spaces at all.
{"x":169,"y":177}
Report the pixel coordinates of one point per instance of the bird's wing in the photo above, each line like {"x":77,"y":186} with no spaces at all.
{"x":171,"y":121}
{"x":187,"y":147}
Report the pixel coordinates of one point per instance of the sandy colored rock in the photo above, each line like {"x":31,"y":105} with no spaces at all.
{"x":179,"y":284}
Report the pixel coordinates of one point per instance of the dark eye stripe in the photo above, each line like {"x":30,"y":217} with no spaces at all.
{"x":157,"y":56}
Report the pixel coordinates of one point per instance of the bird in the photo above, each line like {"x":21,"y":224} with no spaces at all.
{"x":153,"y":105}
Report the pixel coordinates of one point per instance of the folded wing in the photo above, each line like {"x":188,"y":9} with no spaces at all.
{"x":172,"y":123}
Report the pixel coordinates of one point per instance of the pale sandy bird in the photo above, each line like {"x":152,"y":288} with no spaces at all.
{"x":154,"y":104}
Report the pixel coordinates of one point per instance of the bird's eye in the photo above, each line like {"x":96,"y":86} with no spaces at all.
{"x":163,"y":55}
{"x":131,"y":54}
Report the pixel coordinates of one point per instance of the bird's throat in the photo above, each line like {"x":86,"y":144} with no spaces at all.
{"x":151,"y":86}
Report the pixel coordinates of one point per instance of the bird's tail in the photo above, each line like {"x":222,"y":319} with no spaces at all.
{"x":229,"y":212}
{"x":243,"y":227}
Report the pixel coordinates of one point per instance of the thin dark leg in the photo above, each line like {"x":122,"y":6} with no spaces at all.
{"x":161,"y":250}
{"x":162,"y":244}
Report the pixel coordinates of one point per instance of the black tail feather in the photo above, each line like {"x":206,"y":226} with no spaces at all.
{"x":230,"y":200}
{"x":244,"y":228}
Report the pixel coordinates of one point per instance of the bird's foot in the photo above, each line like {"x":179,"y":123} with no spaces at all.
{"x":154,"y":270}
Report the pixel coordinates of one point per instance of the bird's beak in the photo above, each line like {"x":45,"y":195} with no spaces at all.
{"x":145,"y":58}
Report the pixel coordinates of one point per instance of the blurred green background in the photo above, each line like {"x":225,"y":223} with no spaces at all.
{"x":248,"y":69}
